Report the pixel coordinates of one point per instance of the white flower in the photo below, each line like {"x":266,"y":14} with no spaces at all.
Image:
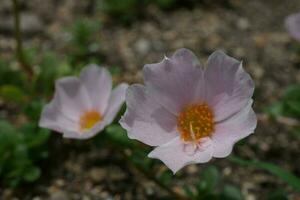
{"x":190,"y":113}
{"x":83,"y":106}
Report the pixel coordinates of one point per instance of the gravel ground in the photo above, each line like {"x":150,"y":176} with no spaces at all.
{"x":248,"y":30}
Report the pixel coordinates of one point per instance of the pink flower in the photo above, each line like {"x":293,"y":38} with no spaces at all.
{"x":292,"y":24}
{"x":190,"y":113}
{"x":83,"y":106}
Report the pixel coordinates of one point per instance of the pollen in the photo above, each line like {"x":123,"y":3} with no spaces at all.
{"x":89,"y":119}
{"x":195,"y":122}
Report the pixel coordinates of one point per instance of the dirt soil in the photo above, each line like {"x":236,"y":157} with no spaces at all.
{"x":252,"y":31}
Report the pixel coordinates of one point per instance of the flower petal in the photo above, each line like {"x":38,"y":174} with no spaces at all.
{"x":98,"y":84}
{"x":72,"y":97}
{"x":292,"y":24}
{"x":174,"y":156}
{"x":228,"y":87}
{"x":87,"y":134}
{"x":53,"y":119}
{"x":116,"y":100}
{"x":174,"y":80}
{"x":232,"y":130}
{"x":145,"y":119}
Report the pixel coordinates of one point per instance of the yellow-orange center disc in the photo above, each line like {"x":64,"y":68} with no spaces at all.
{"x":195,"y":122}
{"x":89,"y":119}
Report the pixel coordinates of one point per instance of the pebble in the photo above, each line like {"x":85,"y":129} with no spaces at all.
{"x":142,"y":46}
{"x":98,"y":174}
{"x":59,"y":195}
{"x":30,"y":24}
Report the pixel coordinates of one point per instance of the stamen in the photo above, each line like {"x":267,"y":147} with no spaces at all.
{"x":89,"y":119}
{"x":195,"y":122}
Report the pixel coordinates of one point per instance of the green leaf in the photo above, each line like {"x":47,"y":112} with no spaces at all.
{"x":188,"y":191}
{"x":32,"y":174}
{"x":277,"y":195}
{"x":289,"y":104}
{"x":20,"y":149}
{"x":211,"y":177}
{"x":284,"y":175}
{"x":12,"y":93}
{"x":118,"y":134}
{"x":231,"y":193}
{"x":166,"y":177}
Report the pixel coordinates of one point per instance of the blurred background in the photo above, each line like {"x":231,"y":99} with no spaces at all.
{"x":59,"y":37}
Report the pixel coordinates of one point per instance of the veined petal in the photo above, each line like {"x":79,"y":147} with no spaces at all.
{"x":116,"y":100}
{"x":72,"y":97}
{"x":174,"y":80}
{"x":53,"y":119}
{"x":173,"y":154}
{"x":86,"y":134}
{"x":232,"y":130}
{"x":98,"y":84}
{"x":228,"y":87}
{"x":145,"y":119}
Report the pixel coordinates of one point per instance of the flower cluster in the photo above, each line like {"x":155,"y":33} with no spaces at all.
{"x":188,"y":112}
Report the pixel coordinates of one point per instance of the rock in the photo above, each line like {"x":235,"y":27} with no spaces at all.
{"x":59,"y":195}
{"x":30,"y":24}
{"x":5,"y":6}
{"x":98,"y":174}
{"x":243,"y":24}
{"x":142,"y":46}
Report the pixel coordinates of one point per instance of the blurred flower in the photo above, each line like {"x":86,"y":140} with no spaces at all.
{"x":190,"y":113}
{"x":83,"y":106}
{"x":292,"y":24}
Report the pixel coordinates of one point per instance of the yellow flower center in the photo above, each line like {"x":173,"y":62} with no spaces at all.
{"x":195,"y":122}
{"x":89,"y":119}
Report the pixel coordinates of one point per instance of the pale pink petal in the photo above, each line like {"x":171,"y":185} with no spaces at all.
{"x":173,"y":154}
{"x":53,"y":119}
{"x":292,"y":24}
{"x":145,"y":119}
{"x":86,"y":134}
{"x":173,"y":81}
{"x":72,"y":97}
{"x":228,"y":87}
{"x":98,"y":84}
{"x":232,"y":130}
{"x":116,"y":100}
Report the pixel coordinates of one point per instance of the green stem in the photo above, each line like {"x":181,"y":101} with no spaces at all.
{"x":18,"y":37}
{"x":138,"y":168}
{"x":172,"y":193}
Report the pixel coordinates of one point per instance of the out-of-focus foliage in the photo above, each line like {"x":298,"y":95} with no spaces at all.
{"x":84,"y":42}
{"x":6,"y":74}
{"x":210,"y":186}
{"x":20,"y":151}
{"x":284,"y":175}
{"x":126,"y":11}
{"x":51,"y":67}
{"x":288,"y":105}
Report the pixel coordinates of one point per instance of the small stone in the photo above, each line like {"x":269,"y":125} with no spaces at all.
{"x":60,"y":182}
{"x":243,"y":24}
{"x":142,"y":46}
{"x":59,"y":195}
{"x":227,"y":171}
{"x":98,"y":174}
{"x":192,"y":169}
{"x":29,"y":24}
